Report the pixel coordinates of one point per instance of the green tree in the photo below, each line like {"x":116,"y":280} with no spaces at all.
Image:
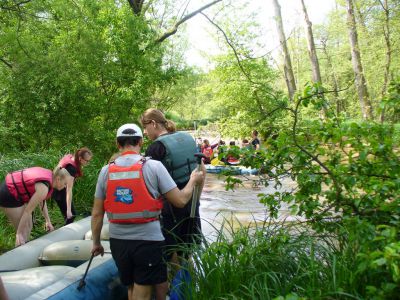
{"x":79,"y":70}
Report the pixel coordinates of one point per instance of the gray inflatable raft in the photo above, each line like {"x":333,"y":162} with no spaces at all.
{"x":69,"y":253}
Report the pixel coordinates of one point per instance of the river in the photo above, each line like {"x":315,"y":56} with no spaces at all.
{"x":240,"y":206}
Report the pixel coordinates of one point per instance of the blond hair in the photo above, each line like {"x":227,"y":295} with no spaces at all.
{"x":156,"y":115}
{"x":61,"y":173}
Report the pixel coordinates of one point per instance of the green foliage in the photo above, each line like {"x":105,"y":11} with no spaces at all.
{"x":7,"y":234}
{"x":282,"y":261}
{"x":390,"y":104}
{"x":186,"y":96}
{"x":242,"y":101}
{"x":72,"y":72}
{"x":80,"y":65}
{"x":334,"y":56}
{"x":186,"y":124}
{"x":346,"y":173}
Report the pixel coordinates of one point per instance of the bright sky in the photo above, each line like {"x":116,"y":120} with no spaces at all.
{"x":200,"y":31}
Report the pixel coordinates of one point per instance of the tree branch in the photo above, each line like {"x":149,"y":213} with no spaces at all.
{"x":19,"y":42}
{"x":174,"y":29}
{"x":245,"y":73}
{"x":230,"y":45}
{"x":15,"y":5}
{"x":6,"y":63}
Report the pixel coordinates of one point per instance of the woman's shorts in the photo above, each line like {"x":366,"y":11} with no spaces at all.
{"x":6,"y":199}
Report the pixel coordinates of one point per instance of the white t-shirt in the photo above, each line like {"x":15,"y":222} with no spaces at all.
{"x":158,"y":182}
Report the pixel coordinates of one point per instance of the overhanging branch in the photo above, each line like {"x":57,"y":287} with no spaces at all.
{"x":239,"y":61}
{"x":174,"y":29}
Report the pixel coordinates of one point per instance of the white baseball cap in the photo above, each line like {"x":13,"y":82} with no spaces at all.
{"x":129,"y":130}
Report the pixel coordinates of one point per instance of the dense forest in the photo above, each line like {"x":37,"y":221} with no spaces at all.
{"x":327,"y":109}
{"x":95,"y":64}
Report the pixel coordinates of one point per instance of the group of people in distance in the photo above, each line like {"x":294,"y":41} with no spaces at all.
{"x":23,"y":190}
{"x":147,"y":200}
{"x":210,"y":150}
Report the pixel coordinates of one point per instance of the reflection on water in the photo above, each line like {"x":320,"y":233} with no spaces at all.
{"x":239,"y":207}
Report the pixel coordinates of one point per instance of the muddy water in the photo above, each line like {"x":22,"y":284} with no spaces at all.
{"x":238,"y":207}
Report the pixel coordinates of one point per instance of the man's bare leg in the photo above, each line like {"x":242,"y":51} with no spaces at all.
{"x":161,"y":290}
{"x":140,"y":292}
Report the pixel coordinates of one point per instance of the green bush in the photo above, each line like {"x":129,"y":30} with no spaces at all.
{"x":345,"y":178}
{"x":284,"y":261}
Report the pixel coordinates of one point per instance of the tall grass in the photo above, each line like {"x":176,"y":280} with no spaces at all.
{"x":274,"y":261}
{"x":83,"y":191}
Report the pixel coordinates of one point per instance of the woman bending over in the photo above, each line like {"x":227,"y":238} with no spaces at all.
{"x":73,"y":164}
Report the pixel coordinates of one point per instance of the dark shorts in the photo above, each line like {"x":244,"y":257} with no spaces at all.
{"x":6,"y":199}
{"x":140,"y":262}
{"x":180,"y":231}
{"x":60,"y":197}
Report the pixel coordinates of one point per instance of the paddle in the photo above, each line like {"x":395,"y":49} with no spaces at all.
{"x":82,"y":283}
{"x":196,"y":190}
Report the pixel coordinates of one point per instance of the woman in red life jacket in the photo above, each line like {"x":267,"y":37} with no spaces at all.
{"x":207,"y":151}
{"x":230,"y":158}
{"x":25,"y":189}
{"x":73,"y":164}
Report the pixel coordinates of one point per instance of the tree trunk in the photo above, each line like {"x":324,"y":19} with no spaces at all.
{"x":339,"y":102}
{"x":316,"y":74}
{"x":386,"y":33}
{"x":136,"y":6}
{"x":288,"y":70}
{"x":361,"y":85}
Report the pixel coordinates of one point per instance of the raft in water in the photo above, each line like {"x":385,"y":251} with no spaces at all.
{"x":233,"y":170}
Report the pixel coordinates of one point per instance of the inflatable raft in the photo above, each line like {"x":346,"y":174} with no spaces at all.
{"x":233,"y":170}
{"x":53,"y":266}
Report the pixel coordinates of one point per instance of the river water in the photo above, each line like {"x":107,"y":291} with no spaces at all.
{"x":240,"y":207}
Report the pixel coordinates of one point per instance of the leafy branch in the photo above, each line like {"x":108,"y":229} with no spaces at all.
{"x":174,"y":29}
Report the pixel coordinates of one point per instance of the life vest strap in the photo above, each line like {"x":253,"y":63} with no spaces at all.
{"x":23,"y":183}
{"x":137,"y":215}
{"x":188,"y":162}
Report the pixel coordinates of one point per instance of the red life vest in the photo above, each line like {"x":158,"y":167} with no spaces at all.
{"x":21,"y":183}
{"x":232,"y":160}
{"x":127,"y":197}
{"x":68,"y":160}
{"x":207,"y":151}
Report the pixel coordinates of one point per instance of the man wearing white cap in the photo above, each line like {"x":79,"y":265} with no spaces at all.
{"x":129,"y":191}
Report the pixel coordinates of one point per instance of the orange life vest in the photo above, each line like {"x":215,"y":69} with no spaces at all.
{"x":21,"y":183}
{"x":127,"y":197}
{"x":67,"y":160}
